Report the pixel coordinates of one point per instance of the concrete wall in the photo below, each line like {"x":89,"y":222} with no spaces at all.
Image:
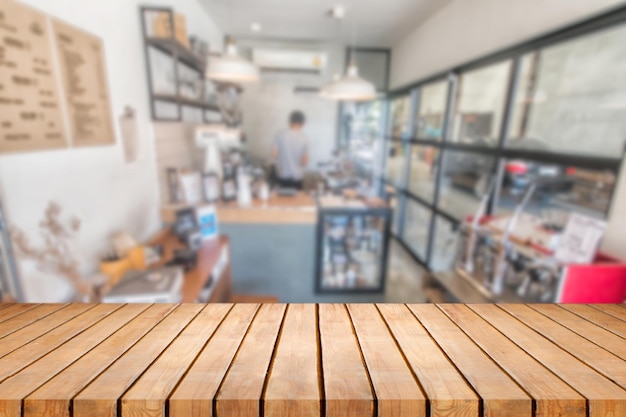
{"x":95,"y":183}
{"x":267,"y":104}
{"x":467,"y":29}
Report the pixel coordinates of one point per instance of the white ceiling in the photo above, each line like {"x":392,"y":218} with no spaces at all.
{"x":371,"y":22}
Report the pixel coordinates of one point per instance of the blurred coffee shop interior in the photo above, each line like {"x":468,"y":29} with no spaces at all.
{"x":457,"y":150}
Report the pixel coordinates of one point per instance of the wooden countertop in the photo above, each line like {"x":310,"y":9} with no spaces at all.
{"x":208,"y":258}
{"x":299,"y":209}
{"x":309,"y":360}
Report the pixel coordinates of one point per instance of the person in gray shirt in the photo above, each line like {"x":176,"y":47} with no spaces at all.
{"x":291,"y":152}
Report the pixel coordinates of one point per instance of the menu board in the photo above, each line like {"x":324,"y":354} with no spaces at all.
{"x":31,"y":115}
{"x":81,"y":62}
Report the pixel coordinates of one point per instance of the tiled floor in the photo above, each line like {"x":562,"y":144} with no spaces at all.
{"x":404,"y":277}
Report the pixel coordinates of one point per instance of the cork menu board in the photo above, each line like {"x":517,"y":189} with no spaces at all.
{"x":31,"y":116}
{"x":53,"y":84}
{"x":82,"y":68}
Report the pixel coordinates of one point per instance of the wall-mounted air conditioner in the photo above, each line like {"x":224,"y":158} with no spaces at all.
{"x":290,"y":60}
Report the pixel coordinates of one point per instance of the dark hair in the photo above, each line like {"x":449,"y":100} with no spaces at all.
{"x":296,"y":118}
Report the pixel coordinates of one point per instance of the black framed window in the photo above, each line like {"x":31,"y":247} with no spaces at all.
{"x":480,"y":104}
{"x":423,"y":172}
{"x":571,"y":97}
{"x":429,"y":121}
{"x":548,"y":113}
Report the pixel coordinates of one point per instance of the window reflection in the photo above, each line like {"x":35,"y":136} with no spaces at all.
{"x":465,"y":179}
{"x":399,"y":123}
{"x":416,"y":225}
{"x":423,"y":172}
{"x":480,"y":104}
{"x":432,"y":109}
{"x":396,"y":161}
{"x":571,"y":97}
{"x":556,"y":188}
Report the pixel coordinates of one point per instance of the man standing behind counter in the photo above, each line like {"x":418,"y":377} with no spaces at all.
{"x":291,"y":152}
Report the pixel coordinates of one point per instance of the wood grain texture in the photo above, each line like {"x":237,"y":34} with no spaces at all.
{"x":601,"y":337}
{"x":241,"y":390}
{"x":53,"y":398}
{"x":445,"y":387}
{"x":593,"y":355}
{"x":13,"y":310}
{"x":347,"y":389}
{"x":22,"y":320}
{"x":18,"y":359}
{"x":99,"y":398}
{"x":397,"y":391}
{"x":16,"y":388}
{"x":331,"y":360}
{"x":602,"y":319}
{"x":196,"y":391}
{"x":604,"y":397}
{"x":148,"y":394}
{"x":28,"y":333}
{"x":288,"y":392}
{"x":553,"y":397}
{"x":500,"y":394}
{"x":615,"y":310}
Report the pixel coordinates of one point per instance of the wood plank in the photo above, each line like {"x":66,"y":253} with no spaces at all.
{"x":347,"y":387}
{"x":602,"y":319}
{"x":22,"y":320}
{"x":241,"y":390}
{"x":397,"y":391}
{"x":553,"y":397}
{"x":298,"y":393}
{"x":611,"y":366}
{"x":500,"y":394}
{"x":604,"y":397}
{"x":13,"y":310}
{"x":99,"y":398}
{"x":601,"y":337}
{"x":613,"y":309}
{"x":19,"y":359}
{"x":196,"y":391}
{"x":53,"y":398}
{"x":445,"y":387}
{"x":37,"y":329}
{"x":14,"y":389}
{"x":149,"y":393}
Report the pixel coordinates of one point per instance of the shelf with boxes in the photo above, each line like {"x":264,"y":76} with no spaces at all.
{"x":175,"y":67}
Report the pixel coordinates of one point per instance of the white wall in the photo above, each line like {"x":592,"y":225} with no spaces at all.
{"x":266,"y":105}
{"x":468,"y":29}
{"x":95,"y":183}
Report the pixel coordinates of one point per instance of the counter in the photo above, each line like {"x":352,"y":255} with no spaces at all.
{"x":311,"y":360}
{"x":299,"y":209}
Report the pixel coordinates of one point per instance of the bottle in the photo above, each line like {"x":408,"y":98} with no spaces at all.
{"x":229,"y":186}
{"x":211,"y":187}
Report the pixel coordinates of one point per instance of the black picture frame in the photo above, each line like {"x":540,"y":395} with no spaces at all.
{"x":386,"y":214}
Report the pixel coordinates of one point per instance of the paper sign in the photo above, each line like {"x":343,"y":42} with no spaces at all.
{"x":580,"y":240}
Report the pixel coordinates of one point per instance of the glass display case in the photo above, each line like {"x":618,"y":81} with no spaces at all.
{"x":352,"y":246}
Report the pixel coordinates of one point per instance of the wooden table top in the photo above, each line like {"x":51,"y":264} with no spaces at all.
{"x":298,"y":209}
{"x":247,"y":360}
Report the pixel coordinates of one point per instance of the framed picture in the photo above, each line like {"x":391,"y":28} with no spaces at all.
{"x":352,"y":249}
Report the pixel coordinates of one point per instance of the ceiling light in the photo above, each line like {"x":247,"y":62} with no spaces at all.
{"x":256,"y":27}
{"x":231,"y":68}
{"x":350,"y":88}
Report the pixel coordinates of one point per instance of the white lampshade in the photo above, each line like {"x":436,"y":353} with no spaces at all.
{"x":350,"y":88}
{"x":232,"y":68}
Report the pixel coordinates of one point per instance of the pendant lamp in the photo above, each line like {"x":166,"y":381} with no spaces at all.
{"x":232,"y":68}
{"x":351,"y":87}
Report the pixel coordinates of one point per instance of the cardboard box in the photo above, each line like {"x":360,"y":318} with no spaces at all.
{"x":162,"y":28}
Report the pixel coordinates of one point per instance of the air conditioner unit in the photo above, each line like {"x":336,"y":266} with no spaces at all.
{"x":290,"y":60}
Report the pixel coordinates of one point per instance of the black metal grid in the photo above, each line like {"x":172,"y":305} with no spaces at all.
{"x":500,"y":152}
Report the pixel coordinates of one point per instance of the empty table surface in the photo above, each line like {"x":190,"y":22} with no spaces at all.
{"x":275,"y":360}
